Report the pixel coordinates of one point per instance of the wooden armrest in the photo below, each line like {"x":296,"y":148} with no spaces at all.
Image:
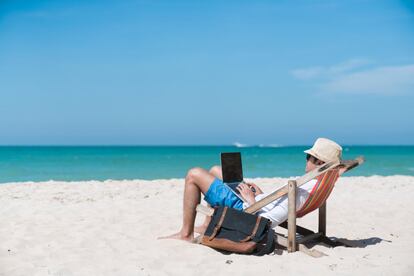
{"x":350,"y":164}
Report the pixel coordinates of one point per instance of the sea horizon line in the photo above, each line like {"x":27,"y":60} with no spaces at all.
{"x":198,"y":145}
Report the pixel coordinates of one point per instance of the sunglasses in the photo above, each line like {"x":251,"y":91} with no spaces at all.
{"x":311,"y":158}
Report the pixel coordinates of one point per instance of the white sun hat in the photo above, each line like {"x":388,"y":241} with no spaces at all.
{"x":325,"y":150}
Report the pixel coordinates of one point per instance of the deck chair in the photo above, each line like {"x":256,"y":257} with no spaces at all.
{"x":327,"y":175}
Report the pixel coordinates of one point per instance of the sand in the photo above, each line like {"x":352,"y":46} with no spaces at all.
{"x":110,"y":228}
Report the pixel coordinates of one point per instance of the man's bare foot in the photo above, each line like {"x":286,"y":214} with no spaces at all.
{"x":178,"y":236}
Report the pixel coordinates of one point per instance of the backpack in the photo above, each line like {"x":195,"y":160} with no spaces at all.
{"x":232,"y":230}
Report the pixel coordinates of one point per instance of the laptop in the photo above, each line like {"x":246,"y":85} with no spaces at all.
{"x":231,"y":168}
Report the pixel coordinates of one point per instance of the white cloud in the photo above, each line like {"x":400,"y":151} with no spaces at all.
{"x":380,"y":80}
{"x":353,"y":77}
{"x":347,"y":66}
{"x":319,"y":71}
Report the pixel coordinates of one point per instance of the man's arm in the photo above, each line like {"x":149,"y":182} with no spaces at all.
{"x":347,"y":165}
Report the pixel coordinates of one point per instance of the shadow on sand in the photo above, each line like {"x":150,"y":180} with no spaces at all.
{"x":334,"y":242}
{"x":362,"y":243}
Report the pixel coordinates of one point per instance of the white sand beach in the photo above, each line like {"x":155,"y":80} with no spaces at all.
{"x":111,"y":228}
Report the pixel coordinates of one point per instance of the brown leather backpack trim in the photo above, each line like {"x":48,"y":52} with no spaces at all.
{"x":218,"y":226}
{"x":228,"y":245}
{"x":256,"y":227}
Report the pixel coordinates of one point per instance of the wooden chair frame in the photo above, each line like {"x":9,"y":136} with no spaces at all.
{"x":291,"y":242}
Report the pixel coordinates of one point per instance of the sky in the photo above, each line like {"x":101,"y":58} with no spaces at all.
{"x":132,"y":72}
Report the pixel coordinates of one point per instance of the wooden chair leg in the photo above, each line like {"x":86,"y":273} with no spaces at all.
{"x":291,"y":216}
{"x":322,"y":219}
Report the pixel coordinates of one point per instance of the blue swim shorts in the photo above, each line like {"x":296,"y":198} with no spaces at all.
{"x":221,"y":195}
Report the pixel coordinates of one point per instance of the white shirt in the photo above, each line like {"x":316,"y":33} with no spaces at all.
{"x":277,"y":211}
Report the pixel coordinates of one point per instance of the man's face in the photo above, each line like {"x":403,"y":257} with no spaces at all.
{"x":312,"y":163}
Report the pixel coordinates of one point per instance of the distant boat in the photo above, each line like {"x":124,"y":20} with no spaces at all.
{"x":239,"y":145}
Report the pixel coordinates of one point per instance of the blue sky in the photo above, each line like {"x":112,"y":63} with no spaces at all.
{"x":206,"y":72}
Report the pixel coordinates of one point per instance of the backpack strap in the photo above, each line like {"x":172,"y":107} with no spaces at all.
{"x":256,"y":227}
{"x":218,"y":226}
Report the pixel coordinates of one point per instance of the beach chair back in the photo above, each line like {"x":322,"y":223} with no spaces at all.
{"x":319,"y":193}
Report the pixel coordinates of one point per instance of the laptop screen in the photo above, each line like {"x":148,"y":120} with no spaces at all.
{"x":231,"y":166}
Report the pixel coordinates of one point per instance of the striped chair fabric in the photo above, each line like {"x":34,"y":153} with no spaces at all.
{"x":320,"y":192}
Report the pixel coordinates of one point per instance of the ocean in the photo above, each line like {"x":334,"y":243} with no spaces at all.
{"x":74,"y":163}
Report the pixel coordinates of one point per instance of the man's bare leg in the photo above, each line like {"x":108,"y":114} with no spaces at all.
{"x":197,"y":180}
{"x":216,"y":172}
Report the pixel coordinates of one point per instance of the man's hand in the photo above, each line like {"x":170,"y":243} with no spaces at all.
{"x":257,"y":190}
{"x":246,"y":193}
{"x":342,"y":170}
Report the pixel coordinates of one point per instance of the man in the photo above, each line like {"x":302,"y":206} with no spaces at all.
{"x":209,"y":183}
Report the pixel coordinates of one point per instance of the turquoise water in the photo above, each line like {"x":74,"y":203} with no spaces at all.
{"x":100,"y":163}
